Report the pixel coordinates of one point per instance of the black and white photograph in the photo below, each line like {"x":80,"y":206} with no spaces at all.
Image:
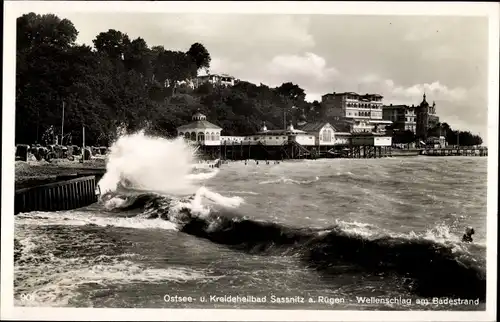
{"x":261,"y":161}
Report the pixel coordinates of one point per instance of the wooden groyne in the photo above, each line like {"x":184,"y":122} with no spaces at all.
{"x":63,"y":195}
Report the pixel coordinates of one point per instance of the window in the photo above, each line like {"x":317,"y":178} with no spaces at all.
{"x":181,"y":134}
{"x":186,"y":136}
{"x":201,"y":136}
{"x":193,"y":136}
{"x":217,"y":136}
{"x":327,"y":135}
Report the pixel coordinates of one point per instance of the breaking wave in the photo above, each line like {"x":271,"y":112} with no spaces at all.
{"x":432,"y":264}
{"x":155,"y":177}
{"x":428,"y":263}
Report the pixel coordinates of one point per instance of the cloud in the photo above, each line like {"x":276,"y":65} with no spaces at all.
{"x":225,"y":66}
{"x":462,"y":108}
{"x":409,"y":94}
{"x":225,"y":35}
{"x":309,"y":65}
{"x":309,"y":71}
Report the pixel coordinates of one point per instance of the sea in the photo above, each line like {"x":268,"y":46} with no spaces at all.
{"x":170,"y":231}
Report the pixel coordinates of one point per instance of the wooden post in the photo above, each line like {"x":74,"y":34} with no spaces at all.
{"x":62,"y":124}
{"x":83,"y":144}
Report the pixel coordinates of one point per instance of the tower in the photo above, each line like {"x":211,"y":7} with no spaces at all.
{"x":422,"y":112}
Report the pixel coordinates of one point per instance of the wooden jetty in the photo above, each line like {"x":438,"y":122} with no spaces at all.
{"x":63,"y":195}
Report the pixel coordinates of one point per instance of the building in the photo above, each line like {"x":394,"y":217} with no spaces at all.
{"x":226,"y":139}
{"x":215,"y":79}
{"x":326,"y":134}
{"x":280,"y":137}
{"x":403,"y":117}
{"x":200,"y":131}
{"x":426,"y":118}
{"x":363,"y":112}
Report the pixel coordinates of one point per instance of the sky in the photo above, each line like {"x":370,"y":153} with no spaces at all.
{"x":399,"y":57}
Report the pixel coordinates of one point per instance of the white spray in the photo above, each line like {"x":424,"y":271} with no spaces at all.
{"x":150,"y":164}
{"x":142,"y":163}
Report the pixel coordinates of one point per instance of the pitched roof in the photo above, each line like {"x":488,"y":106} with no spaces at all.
{"x":340,"y":126}
{"x":199,"y":125}
{"x":313,"y":127}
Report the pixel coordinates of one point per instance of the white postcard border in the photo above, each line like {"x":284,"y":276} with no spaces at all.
{"x":13,"y":9}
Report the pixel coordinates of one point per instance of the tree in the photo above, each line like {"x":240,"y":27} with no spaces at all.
{"x":138,"y":57}
{"x":125,"y":83}
{"x":113,"y":43}
{"x":291,"y":91}
{"x":199,"y":55}
{"x":171,"y":66}
{"x":34,"y":30}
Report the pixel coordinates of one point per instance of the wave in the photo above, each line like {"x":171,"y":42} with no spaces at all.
{"x":147,"y":163}
{"x":155,"y":177}
{"x":52,"y":279}
{"x":287,"y":180}
{"x":82,"y":218}
{"x":430,"y":265}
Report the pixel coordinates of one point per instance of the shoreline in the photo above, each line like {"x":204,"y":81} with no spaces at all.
{"x":34,"y":173}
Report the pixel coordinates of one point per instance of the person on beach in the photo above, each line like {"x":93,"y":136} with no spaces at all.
{"x":467,"y":237}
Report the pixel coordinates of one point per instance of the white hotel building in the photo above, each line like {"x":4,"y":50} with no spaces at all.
{"x":362,"y":112}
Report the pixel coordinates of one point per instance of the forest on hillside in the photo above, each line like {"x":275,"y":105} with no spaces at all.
{"x":123,"y":82}
{"x":126,"y":83}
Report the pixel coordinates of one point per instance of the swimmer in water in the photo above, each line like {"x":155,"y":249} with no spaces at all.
{"x":467,"y":238}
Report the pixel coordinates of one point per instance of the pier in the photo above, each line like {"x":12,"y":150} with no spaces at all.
{"x":292,"y":150}
{"x":62,"y":195}
{"x":455,"y":151}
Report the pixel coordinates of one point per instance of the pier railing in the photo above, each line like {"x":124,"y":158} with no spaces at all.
{"x":63,"y":195}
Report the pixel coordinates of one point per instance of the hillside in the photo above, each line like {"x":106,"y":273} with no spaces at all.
{"x":123,"y":83}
